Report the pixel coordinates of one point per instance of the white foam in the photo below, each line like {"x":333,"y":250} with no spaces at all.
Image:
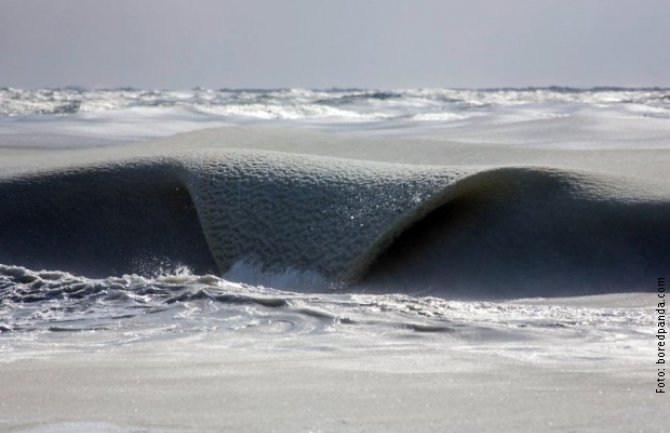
{"x":286,"y":279}
{"x":128,"y":114}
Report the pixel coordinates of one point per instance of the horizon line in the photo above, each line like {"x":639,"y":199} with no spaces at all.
{"x":349,"y":88}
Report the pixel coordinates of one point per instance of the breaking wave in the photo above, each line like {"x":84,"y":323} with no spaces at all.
{"x":326,"y":222}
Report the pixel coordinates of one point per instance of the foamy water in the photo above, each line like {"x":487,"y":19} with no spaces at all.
{"x":134,"y":114}
{"x":43,"y":308}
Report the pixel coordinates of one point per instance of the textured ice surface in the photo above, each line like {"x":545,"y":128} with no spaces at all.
{"x":214,"y":199}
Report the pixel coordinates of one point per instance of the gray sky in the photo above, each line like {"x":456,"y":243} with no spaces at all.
{"x":325,"y":43}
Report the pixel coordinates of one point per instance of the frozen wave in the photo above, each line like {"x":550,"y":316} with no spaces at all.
{"x":206,"y":268}
{"x":467,"y":230}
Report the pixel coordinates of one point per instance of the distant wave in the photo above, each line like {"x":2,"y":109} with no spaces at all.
{"x":504,"y":231}
{"x":342,"y":104}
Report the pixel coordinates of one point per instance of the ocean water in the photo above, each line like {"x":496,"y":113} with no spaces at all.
{"x":523,"y":224}
{"x":132,"y":114}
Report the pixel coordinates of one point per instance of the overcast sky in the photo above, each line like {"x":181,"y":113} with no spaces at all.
{"x":326,"y":43}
